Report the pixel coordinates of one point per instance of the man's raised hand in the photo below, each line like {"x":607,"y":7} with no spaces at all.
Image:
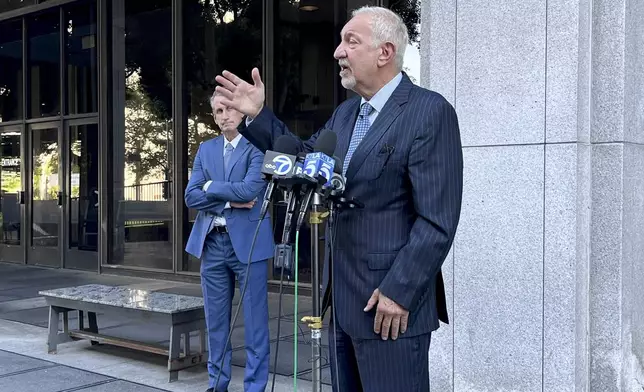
{"x":240,"y":95}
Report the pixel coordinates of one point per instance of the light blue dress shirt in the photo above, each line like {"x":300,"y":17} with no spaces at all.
{"x":220,"y":220}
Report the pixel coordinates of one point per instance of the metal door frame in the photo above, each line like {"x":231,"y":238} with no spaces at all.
{"x":74,"y":258}
{"x":16,"y":253}
{"x":42,"y":255}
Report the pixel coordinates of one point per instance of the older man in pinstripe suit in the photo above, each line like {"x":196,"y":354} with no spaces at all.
{"x":402,"y":152}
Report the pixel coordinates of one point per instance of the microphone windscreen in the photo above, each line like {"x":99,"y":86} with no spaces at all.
{"x":338,"y":165}
{"x":326,"y":142}
{"x":286,"y":145}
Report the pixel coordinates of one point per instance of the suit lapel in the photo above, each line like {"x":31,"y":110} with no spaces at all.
{"x":236,"y":154}
{"x":381,"y":126}
{"x":218,"y":159}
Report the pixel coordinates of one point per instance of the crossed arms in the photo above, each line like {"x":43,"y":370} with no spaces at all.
{"x":221,"y":194}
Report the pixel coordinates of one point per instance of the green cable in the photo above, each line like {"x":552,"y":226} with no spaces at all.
{"x":297,"y":241}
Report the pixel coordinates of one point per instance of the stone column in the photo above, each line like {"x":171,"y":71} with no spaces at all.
{"x":546,"y":277}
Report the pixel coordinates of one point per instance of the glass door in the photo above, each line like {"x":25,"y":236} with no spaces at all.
{"x":81,"y":200}
{"x":11,"y":195}
{"x":45,"y":200}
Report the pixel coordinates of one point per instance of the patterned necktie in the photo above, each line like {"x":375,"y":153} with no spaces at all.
{"x":227,"y":154}
{"x":359,"y":131}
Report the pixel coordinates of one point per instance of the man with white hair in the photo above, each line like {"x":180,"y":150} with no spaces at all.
{"x":402,"y":155}
{"x":225,"y":183}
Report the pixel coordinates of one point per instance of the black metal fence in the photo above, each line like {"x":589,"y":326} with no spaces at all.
{"x":153,"y":191}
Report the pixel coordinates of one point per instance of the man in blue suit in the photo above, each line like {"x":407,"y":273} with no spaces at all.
{"x":402,"y":155}
{"x":224,"y":186}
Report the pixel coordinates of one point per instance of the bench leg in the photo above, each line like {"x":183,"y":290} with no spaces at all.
{"x":174,"y":352}
{"x":93,"y":325}
{"x":81,"y":320}
{"x":202,"y":341}
{"x":186,"y":344}
{"x":54,"y":338}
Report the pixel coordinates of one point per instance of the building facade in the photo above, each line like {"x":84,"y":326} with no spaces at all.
{"x":545,"y":276}
{"x":103,"y":104}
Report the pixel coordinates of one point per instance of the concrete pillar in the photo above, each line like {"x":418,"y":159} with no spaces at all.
{"x":545,"y":279}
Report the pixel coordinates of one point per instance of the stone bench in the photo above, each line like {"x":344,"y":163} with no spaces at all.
{"x":182,"y":314}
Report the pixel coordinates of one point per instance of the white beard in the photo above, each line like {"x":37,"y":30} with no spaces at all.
{"x":348,"y":82}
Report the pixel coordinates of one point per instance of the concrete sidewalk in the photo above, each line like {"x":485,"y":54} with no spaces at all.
{"x":26,"y":366}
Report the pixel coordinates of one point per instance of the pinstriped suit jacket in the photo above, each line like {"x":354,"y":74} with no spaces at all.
{"x":408,"y":172}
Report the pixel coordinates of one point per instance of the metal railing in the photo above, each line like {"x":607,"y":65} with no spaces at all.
{"x":153,"y":191}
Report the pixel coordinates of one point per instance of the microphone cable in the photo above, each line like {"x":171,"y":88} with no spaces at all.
{"x":332,"y":232}
{"x":241,"y":300}
{"x":285,"y":240}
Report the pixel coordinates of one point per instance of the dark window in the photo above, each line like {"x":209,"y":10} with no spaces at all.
{"x":216,"y":38}
{"x":304,"y":91}
{"x":11,"y":70}
{"x":10,"y":5}
{"x":81,"y":71}
{"x":83,"y":195}
{"x":142,"y":134}
{"x":46,"y":186}
{"x":43,"y":31}
{"x":10,"y":182}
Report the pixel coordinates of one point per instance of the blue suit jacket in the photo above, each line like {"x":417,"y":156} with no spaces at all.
{"x":408,"y":172}
{"x":242,"y":183}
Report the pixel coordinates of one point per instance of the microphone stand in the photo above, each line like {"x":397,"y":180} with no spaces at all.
{"x":335,"y":203}
{"x":316,"y":217}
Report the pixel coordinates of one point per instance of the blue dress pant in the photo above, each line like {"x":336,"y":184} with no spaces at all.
{"x":219,"y":268}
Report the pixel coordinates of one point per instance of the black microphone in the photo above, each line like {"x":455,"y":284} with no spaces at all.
{"x":322,"y":153}
{"x":338,"y":181}
{"x":278,"y":163}
{"x":333,"y":192}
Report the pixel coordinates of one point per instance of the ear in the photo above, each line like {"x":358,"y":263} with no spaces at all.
{"x":387,"y":54}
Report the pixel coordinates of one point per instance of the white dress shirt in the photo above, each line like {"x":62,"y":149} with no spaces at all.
{"x":220,"y":220}
{"x":379,"y":100}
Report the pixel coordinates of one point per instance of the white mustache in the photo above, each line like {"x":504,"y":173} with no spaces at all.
{"x":343,"y":63}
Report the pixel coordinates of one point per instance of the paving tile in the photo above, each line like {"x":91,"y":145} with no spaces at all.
{"x":22,"y":304}
{"x":4,"y":298}
{"x":13,"y":363}
{"x":285,"y":358}
{"x":120,"y":386}
{"x":53,"y":379}
{"x":28,"y":280}
{"x":325,"y":375}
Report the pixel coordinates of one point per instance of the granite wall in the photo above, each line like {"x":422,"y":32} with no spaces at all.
{"x":546,"y":277}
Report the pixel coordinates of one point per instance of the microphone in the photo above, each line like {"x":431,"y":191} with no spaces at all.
{"x":320,"y":165}
{"x":338,"y":182}
{"x":334,"y":191}
{"x":320,"y":161}
{"x":299,"y":163}
{"x":280,"y":162}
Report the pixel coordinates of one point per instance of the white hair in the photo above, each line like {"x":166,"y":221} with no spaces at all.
{"x":387,"y":26}
{"x":212,"y":97}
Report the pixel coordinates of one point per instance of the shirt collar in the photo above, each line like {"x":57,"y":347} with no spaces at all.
{"x":234,"y":142}
{"x":379,"y":100}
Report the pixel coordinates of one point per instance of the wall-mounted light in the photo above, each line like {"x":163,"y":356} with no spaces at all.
{"x":308,"y":5}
